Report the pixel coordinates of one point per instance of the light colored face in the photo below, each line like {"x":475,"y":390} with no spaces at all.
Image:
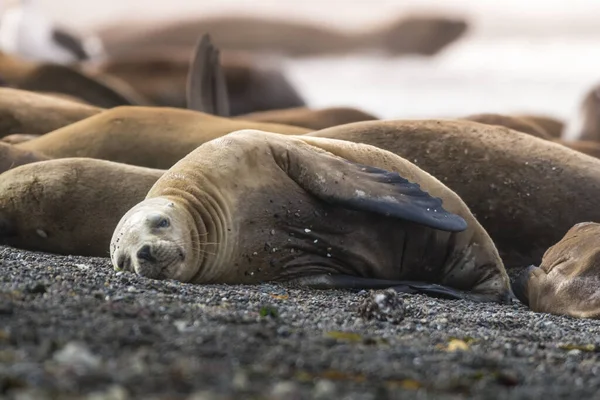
{"x":153,"y":240}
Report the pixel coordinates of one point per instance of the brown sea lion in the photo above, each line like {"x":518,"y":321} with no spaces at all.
{"x":585,"y":146}
{"x":69,"y":80}
{"x":416,"y":34}
{"x":254,"y":206}
{"x":586,"y":126}
{"x":161,"y":78}
{"x":207,"y":92}
{"x":22,"y":111}
{"x":552,"y":126}
{"x":566,"y":282}
{"x":69,"y":206}
{"x":11,"y":157}
{"x":17,"y":138}
{"x":511,"y":122}
{"x":152,"y":137}
{"x":519,"y":187}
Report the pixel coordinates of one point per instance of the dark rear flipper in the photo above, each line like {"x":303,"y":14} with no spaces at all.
{"x":206,"y":85}
{"x":520,"y":285}
{"x":412,"y":287}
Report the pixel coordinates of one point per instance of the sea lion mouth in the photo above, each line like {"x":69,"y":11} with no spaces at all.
{"x":159,"y":261}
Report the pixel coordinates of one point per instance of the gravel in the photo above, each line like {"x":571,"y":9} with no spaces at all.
{"x":72,"y":328}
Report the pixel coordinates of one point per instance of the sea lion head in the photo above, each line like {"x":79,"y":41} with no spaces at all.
{"x":154,"y":240}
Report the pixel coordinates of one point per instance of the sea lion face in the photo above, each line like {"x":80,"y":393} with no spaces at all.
{"x":153,"y":240}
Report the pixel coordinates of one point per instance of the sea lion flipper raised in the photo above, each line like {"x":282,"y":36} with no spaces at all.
{"x":356,"y":282}
{"x":365,"y":188}
{"x":206,"y":85}
{"x":520,"y":285}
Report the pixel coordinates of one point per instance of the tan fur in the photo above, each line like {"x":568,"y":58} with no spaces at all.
{"x":17,"y":138}
{"x":22,"y":111}
{"x":426,"y":34}
{"x":567,"y":281}
{"x":525,"y":191}
{"x":585,"y":146}
{"x":69,"y":206}
{"x":310,"y":118}
{"x":239,"y":205}
{"x":11,"y":157}
{"x":144,"y":136}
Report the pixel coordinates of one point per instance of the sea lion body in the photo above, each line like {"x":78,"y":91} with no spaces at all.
{"x":552,"y":126}
{"x":69,"y":206}
{"x":525,"y":191}
{"x":567,"y":281}
{"x":17,"y":138}
{"x":22,"y":111}
{"x":11,"y":157}
{"x":586,"y":124}
{"x":150,"y":137}
{"x":511,"y":122}
{"x":254,"y":206}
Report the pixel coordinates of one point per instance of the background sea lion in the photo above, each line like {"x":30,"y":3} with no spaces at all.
{"x":150,"y":137}
{"x":18,"y":138}
{"x":566,"y":282}
{"x":207,"y":92}
{"x":525,"y":191}
{"x":101,"y":91}
{"x":69,"y":206}
{"x":11,"y":157}
{"x":416,"y":34}
{"x":511,"y":122}
{"x":586,"y":126}
{"x":22,"y":111}
{"x":255,"y":206}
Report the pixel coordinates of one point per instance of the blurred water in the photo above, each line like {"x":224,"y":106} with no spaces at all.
{"x":537,"y":56}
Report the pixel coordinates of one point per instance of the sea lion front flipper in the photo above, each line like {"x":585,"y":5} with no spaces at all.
{"x":520,"y":286}
{"x":206,"y":85}
{"x":358,"y":283}
{"x":343,"y":183}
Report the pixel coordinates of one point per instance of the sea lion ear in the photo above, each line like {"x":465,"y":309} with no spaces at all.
{"x":363,"y":188}
{"x":206,"y":84}
{"x":105,"y":92}
{"x":520,"y":286}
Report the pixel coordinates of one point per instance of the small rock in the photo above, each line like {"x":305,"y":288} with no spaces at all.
{"x":240,"y":381}
{"x":324,"y":389}
{"x":36,"y":288}
{"x":77,"y":355}
{"x":383,"y":305}
{"x":574,"y":352}
{"x":285,"y":391}
{"x":115,"y":392}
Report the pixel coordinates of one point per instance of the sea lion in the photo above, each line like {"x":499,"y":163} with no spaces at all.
{"x":585,"y":146}
{"x":566,"y":282}
{"x":207,"y":92}
{"x":150,"y":137}
{"x":256,"y":206}
{"x":22,"y":111}
{"x":525,"y":191}
{"x":69,"y":206}
{"x":586,"y":125}
{"x":11,"y":157}
{"x":17,"y":138}
{"x":161,"y":77}
{"x":417,"y":34}
{"x":552,"y":126}
{"x":511,"y":122}
{"x":101,"y":91}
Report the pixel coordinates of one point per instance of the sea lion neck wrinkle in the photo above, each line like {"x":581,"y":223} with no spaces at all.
{"x":196,"y":195}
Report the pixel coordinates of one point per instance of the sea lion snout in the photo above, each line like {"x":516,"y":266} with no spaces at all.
{"x":145,"y":254}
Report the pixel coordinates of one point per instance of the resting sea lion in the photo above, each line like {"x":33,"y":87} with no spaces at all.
{"x":69,"y":206}
{"x":22,"y":111}
{"x":566,"y":282}
{"x":511,"y":122}
{"x":150,"y":137}
{"x":207,"y":93}
{"x":525,"y":191}
{"x":70,"y":80}
{"x":11,"y":157}
{"x":552,"y":126}
{"x":585,"y":146}
{"x":255,"y":206}
{"x":425,"y":35}
{"x":586,"y":126}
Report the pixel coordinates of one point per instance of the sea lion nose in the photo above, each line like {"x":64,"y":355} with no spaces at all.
{"x":144,"y":253}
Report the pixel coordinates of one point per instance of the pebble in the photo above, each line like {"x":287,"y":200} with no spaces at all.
{"x":77,"y":355}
